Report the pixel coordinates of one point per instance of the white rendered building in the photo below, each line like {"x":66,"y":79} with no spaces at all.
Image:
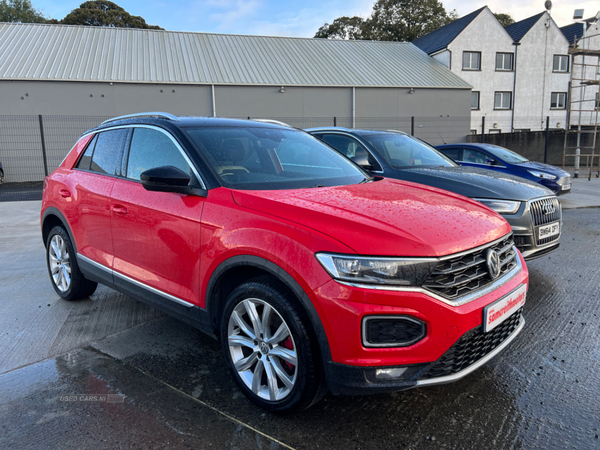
{"x":520,"y":74}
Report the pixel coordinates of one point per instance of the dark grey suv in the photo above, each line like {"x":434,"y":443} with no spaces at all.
{"x":533,"y":211}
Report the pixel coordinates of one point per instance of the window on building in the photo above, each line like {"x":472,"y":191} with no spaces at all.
{"x":474,"y":100}
{"x":502,"y":100}
{"x":558,"y":100}
{"x":561,"y":63}
{"x":471,"y":60}
{"x":504,"y":61}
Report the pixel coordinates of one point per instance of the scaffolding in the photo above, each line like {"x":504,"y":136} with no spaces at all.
{"x":583,"y":105}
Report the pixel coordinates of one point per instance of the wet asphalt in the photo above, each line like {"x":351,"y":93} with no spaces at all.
{"x":109,"y":372}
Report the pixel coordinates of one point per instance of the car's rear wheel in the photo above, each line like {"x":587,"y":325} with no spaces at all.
{"x":67,"y":280}
{"x":269,"y":349}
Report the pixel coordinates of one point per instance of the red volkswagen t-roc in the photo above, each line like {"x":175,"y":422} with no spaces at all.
{"x":313,"y":274}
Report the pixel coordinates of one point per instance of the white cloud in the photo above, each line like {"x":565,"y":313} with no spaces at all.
{"x":238,"y":12}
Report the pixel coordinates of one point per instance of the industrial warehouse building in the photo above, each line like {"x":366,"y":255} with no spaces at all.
{"x":50,"y":71}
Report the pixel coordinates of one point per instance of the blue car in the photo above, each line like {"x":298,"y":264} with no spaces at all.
{"x":500,"y":159}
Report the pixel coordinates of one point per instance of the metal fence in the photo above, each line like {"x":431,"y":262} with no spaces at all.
{"x":33,"y":146}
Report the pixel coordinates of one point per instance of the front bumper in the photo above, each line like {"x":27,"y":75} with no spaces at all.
{"x":353,"y":366}
{"x":458,"y":362}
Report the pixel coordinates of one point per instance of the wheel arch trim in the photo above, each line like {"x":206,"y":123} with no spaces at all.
{"x":53,"y":211}
{"x":212,"y":304}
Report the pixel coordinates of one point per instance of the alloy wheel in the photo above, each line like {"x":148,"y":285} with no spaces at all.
{"x":60,"y":263}
{"x":262,"y":349}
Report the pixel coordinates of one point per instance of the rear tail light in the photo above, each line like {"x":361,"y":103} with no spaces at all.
{"x":392,"y":331}
{"x":45,"y":184}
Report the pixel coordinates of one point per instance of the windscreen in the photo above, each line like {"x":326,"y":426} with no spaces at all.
{"x":505,"y":154}
{"x":264,"y":158}
{"x":402,"y":151}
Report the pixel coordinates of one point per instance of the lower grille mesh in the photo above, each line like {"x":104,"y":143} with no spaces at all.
{"x":473,"y":346}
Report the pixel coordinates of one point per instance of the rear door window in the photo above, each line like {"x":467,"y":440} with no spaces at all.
{"x":350,"y":148}
{"x":453,"y":152}
{"x":152,"y":148}
{"x":108,"y":152}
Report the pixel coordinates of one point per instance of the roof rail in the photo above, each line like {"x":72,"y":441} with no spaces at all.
{"x":397,"y":131}
{"x":162,"y":115}
{"x":274,"y":122}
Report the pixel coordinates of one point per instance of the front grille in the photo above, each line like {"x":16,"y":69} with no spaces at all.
{"x":471,"y":347}
{"x":521,"y":242}
{"x":461,"y":275}
{"x":543,"y":212}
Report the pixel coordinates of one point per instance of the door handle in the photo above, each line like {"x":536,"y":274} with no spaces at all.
{"x":118,"y":209}
{"x":64,"y":193}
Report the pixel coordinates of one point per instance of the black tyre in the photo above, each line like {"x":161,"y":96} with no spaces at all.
{"x":1,"y":176}
{"x":269,"y":349}
{"x":67,"y":280}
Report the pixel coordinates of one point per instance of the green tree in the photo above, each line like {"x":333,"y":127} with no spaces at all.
{"x":504,"y":19}
{"x":345,"y":28}
{"x":103,"y":13}
{"x":392,"y":20}
{"x":21,"y":11}
{"x":407,"y":20}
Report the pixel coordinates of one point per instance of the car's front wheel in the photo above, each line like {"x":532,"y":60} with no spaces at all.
{"x":67,"y":280}
{"x":269,"y":350}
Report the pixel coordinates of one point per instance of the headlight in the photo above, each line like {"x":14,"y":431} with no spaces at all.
{"x":500,"y":206}
{"x":396,"y":271}
{"x":543,"y":175}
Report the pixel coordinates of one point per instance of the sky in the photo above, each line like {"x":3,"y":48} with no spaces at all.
{"x":294,"y":18}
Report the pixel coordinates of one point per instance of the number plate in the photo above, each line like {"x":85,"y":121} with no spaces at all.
{"x":549,"y":230}
{"x":566,"y":187}
{"x":500,"y":310}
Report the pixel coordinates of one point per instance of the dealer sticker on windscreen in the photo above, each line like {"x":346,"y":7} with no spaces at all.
{"x":499,"y":311}
{"x":549,"y":230}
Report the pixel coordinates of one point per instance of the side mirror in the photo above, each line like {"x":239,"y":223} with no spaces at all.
{"x":363,"y":162}
{"x":169,"y":179}
{"x":490,"y":162}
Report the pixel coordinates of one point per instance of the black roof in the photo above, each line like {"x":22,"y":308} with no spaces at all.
{"x":519,"y":29}
{"x":573,"y":30}
{"x":442,"y":37}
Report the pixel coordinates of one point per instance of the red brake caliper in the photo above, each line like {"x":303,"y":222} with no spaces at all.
{"x":287,"y":343}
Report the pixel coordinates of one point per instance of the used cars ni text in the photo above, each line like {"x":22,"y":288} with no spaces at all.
{"x":313,"y":274}
{"x":533,"y":211}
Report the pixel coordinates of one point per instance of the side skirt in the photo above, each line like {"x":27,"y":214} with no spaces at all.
{"x":180,"y":309}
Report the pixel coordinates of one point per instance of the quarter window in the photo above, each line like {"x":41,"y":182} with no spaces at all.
{"x":504,"y":61}
{"x":558,"y":100}
{"x":561,"y":63}
{"x":502,"y":100}
{"x":471,"y":60}
{"x":86,"y":158}
{"x":152,"y":148}
{"x":474,"y":100}
{"x":108,"y":151}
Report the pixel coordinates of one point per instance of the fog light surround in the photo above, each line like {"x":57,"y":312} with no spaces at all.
{"x":392,"y":331}
{"x":390,"y":374}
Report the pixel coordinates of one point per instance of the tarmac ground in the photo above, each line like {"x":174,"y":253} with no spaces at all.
{"x":110,"y":372}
